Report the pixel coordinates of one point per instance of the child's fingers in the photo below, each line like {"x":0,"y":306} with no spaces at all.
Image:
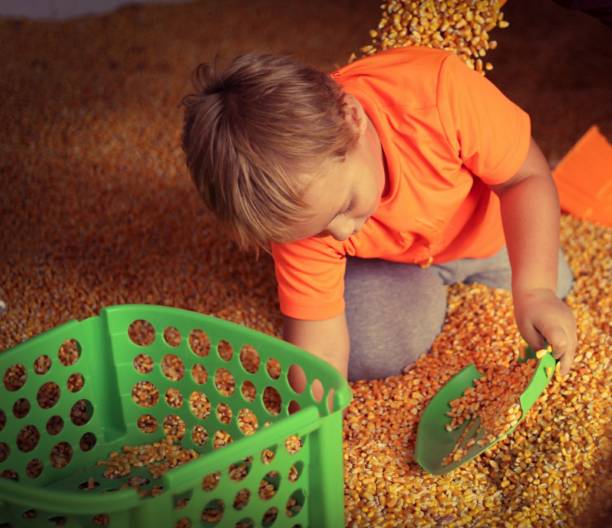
{"x":534,"y":338}
{"x":566,"y":363}
{"x":562,"y":347}
{"x":559,"y":342}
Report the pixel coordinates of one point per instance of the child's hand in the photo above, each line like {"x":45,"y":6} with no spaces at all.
{"x":541,"y":315}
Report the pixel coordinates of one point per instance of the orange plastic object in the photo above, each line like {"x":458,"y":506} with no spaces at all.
{"x":584,"y":178}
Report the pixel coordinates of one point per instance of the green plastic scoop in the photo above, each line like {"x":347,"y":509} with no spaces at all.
{"x":434,"y":442}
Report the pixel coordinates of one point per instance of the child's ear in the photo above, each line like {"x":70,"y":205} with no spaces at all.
{"x":355,"y":114}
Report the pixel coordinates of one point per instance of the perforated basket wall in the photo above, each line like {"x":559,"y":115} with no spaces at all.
{"x":137,"y":374}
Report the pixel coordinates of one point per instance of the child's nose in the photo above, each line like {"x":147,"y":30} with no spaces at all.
{"x":342,"y":229}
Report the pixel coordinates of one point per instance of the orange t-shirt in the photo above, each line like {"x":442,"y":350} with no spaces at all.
{"x":446,"y":133}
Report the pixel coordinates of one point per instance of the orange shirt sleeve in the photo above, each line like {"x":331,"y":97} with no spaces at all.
{"x":310,"y":277}
{"x":490,"y":132}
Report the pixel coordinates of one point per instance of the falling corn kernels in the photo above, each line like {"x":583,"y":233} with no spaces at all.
{"x":458,"y":26}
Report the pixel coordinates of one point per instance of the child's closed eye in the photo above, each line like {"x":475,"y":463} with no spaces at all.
{"x":346,"y":210}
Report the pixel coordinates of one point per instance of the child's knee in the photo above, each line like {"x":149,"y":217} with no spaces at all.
{"x":399,"y":342}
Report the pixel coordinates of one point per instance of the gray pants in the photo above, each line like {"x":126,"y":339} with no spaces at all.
{"x":394,"y":311}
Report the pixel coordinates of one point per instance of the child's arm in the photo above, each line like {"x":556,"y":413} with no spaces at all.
{"x":327,"y":339}
{"x":530,"y":214}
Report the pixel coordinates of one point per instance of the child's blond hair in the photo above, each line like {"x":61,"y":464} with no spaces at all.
{"x":251,"y":135}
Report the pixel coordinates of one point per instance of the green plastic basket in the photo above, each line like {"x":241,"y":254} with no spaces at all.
{"x":39,"y":490}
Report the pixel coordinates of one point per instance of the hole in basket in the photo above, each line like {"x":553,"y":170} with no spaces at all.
{"x":316,"y":390}
{"x":269,"y":517}
{"x":295,"y":503}
{"x":141,"y":332}
{"x":225,"y":382}
{"x":267,"y":455}
{"x":183,"y":522}
{"x":10,"y":474}
{"x":247,"y":422}
{"x":199,"y":405}
{"x":89,"y":484}
{"x":293,"y":444}
{"x":61,"y":455}
{"x":245,"y":523}
{"x":172,"y":336}
{"x":210,"y":481}
{"x":81,"y":412}
{"x":58,"y":520}
{"x":213,"y":512}
{"x":145,"y":394}
{"x":2,"y":420}
{"x":154,"y":491}
{"x":248,"y":391}
{"x":221,"y":439}
{"x":199,"y":435}
{"x":297,"y":378}
{"x":199,"y":373}
{"x":101,"y":519}
{"x":272,"y":400}
{"x":239,"y":470}
{"x":75,"y":382}
{"x":330,"y":400}
{"x":15,"y":377}
{"x":55,"y":424}
{"x":273,"y":368}
{"x":269,"y":485}
{"x":87,"y":442}
{"x":249,"y":358}
{"x":242,"y":499}
{"x":225,"y":350}
{"x":199,"y":342}
{"x":174,"y":427}
{"x":224,"y":413}
{"x":137,"y":481}
{"x":174,"y":398}
{"x":21,"y":408}
{"x":28,"y":438}
{"x":4,"y":451}
{"x":29,"y":514}
{"x":173,"y":367}
{"x":295,"y":471}
{"x":180,"y":501}
{"x":48,"y":395}
{"x":293,"y":407}
{"x":143,"y":363}
{"x":34,"y":468}
{"x":42,"y":364}
{"x":70,"y":352}
{"x":147,"y":423}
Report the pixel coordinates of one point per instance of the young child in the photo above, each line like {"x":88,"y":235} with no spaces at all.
{"x":375,"y":187}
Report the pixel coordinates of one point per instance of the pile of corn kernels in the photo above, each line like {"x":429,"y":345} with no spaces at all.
{"x":492,"y":395}
{"x":491,"y":405}
{"x":101,"y":211}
